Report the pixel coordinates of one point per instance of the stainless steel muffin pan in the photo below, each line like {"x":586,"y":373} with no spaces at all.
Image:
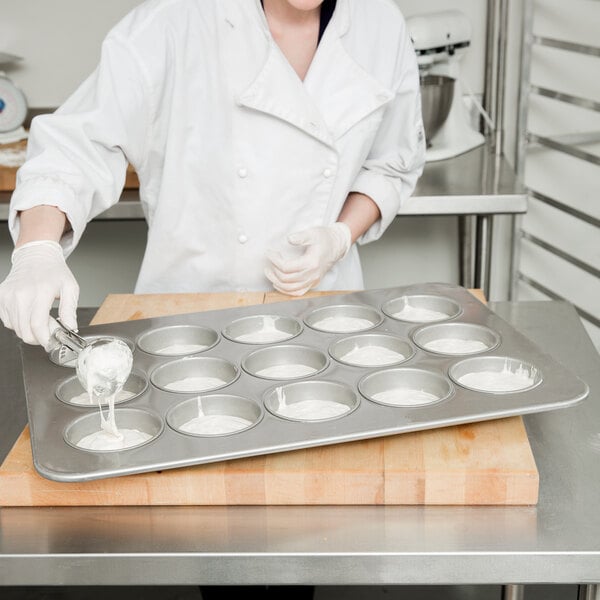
{"x":238,"y":375}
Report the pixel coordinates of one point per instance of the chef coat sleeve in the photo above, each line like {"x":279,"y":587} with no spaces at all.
{"x":77,"y":157}
{"x":396,"y":159}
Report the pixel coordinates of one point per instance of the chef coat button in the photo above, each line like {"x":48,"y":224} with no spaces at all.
{"x":242,"y":238}
{"x":243,"y":173}
{"x":382,"y":97}
{"x":327,"y":172}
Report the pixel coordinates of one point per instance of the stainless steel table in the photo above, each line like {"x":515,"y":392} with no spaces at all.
{"x":475,"y":186}
{"x":557,"y":541}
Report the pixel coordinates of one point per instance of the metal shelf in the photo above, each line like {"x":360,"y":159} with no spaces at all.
{"x":567,"y":98}
{"x":475,"y":183}
{"x":578,"y":214}
{"x":570,"y":149}
{"x":565,"y":45}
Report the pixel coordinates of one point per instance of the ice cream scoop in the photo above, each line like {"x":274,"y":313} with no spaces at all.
{"x":103,"y":364}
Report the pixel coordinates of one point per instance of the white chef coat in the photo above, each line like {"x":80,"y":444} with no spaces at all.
{"x":233,"y":151}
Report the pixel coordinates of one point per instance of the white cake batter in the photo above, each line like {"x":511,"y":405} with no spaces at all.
{"x":268,"y":334}
{"x":405,"y":397}
{"x":102,"y":368}
{"x":310,"y":410}
{"x":456,"y":346}
{"x":343,"y":324}
{"x":104,"y":440}
{"x":499,"y":381}
{"x":205,"y":424}
{"x":286,"y":371}
{"x":215,"y":425}
{"x":195,"y":384}
{"x":313,"y":410}
{"x":84,"y":398}
{"x":177,"y":349}
{"x":372,"y":356}
{"x":419,"y":315}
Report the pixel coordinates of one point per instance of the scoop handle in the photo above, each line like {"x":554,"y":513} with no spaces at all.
{"x":66,"y":337}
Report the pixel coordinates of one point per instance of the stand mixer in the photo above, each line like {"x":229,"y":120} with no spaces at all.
{"x":440,"y":40}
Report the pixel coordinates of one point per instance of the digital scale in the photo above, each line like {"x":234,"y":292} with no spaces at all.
{"x":13,"y":106}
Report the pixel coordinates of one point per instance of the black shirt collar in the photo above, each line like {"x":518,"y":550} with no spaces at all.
{"x":327,"y":9}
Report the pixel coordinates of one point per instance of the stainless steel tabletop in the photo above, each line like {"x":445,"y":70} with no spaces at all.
{"x":557,"y":541}
{"x":474,"y":183}
{"x":477,"y":182}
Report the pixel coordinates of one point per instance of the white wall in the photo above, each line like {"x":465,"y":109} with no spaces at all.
{"x":60,"y":41}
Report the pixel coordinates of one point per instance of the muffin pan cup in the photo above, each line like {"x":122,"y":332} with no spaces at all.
{"x":128,"y":418}
{"x":555,"y":386}
{"x":165,"y":340}
{"x":71,"y":388}
{"x":223,"y":405}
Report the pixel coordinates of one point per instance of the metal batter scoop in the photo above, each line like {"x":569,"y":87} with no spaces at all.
{"x":73,"y":346}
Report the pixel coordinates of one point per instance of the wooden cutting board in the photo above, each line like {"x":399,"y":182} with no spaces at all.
{"x":477,"y":464}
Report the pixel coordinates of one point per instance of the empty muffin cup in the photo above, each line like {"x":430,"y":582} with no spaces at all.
{"x":262,"y":329}
{"x":214,"y":415}
{"x":495,"y":374}
{"x":137,"y":428}
{"x":71,"y":357}
{"x":70,"y":391}
{"x":285,"y":362}
{"x":177,"y":340}
{"x":344,"y":318}
{"x":194,"y":374}
{"x":311,"y":401}
{"x":405,"y":387}
{"x":371,"y":350}
{"x":455,"y":338}
{"x":421,"y":308}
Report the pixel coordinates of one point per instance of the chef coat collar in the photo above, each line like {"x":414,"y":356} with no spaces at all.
{"x":336,"y":93}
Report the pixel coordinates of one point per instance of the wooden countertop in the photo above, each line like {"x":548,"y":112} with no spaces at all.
{"x":8,"y":175}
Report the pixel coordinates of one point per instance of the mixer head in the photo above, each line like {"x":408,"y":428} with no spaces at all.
{"x":439,"y":36}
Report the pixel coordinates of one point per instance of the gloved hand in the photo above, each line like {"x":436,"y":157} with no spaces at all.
{"x":323,"y":247}
{"x":39,"y":274}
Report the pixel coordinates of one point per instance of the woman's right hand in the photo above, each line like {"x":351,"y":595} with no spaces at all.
{"x":38,"y":276}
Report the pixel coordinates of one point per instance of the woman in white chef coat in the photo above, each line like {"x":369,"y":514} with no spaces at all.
{"x":253,"y":129}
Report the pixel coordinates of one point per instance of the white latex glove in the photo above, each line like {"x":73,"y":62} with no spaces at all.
{"x":323,"y":247}
{"x":39,"y":274}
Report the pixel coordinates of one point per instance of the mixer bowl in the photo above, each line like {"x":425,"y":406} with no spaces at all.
{"x":437,"y":92}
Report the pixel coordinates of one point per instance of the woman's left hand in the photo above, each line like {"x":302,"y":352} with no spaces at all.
{"x":323,"y":247}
